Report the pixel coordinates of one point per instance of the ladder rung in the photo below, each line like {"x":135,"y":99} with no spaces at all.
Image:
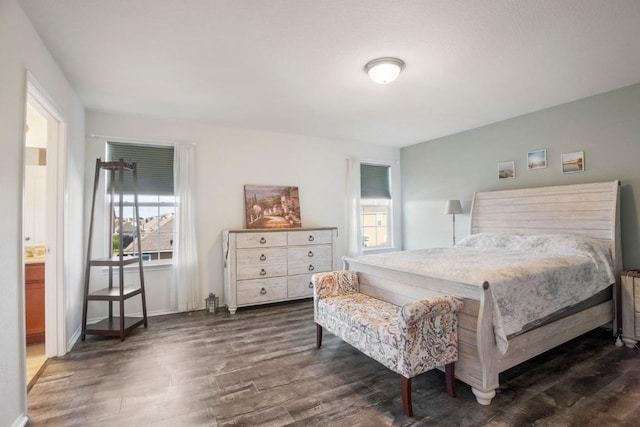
{"x":111,"y":327}
{"x":114,"y":261}
{"x":116,"y":165}
{"x":111,"y":294}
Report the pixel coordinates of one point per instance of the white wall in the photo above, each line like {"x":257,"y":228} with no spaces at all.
{"x":20,"y":50}
{"x":606,"y":127}
{"x":229,"y":158}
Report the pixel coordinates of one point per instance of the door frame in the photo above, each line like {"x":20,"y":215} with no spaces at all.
{"x":55,"y":307}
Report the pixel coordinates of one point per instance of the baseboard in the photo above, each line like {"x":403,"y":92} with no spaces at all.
{"x":74,"y":339}
{"x":21,"y":421}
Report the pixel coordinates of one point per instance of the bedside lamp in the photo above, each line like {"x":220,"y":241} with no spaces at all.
{"x":453,"y":208}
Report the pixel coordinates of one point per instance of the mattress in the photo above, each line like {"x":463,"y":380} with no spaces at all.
{"x":602,"y":296}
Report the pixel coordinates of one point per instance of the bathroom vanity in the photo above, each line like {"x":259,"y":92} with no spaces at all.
{"x":34,"y":301}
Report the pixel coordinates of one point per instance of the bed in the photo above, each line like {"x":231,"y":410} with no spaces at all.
{"x":567,"y":221}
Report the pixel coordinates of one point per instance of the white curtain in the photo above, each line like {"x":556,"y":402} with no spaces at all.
{"x":185,"y":249}
{"x":354,"y":238}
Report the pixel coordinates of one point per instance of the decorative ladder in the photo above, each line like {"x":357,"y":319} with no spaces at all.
{"x":121,"y":325}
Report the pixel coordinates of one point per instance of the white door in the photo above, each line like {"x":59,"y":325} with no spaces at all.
{"x":43,"y":212}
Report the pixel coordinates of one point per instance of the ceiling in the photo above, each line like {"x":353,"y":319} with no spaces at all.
{"x":296,"y":66}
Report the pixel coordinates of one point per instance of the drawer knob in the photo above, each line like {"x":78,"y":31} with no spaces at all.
{"x":310,"y":254}
{"x":310,"y":285}
{"x":311,"y":267}
{"x":263,"y":240}
{"x":263,"y":257}
{"x":263,"y":291}
{"x":263,"y":272}
{"x":311,"y":238}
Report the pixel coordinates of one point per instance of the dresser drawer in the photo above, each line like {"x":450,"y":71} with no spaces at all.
{"x":261,"y":290}
{"x":300,"y":286}
{"x":261,"y":240}
{"x":310,"y":259}
{"x":262,"y":256}
{"x":630,"y":304}
{"x":244,"y":272}
{"x":309,"y":237}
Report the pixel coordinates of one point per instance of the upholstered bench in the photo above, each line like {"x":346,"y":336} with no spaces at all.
{"x":409,"y":340}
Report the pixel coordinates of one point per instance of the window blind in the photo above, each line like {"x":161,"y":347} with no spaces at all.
{"x":154,"y":164}
{"x":374,"y":181}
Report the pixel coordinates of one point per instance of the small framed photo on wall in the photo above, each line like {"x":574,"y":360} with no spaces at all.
{"x":572,"y":162}
{"x":507,"y":170}
{"x":537,"y":159}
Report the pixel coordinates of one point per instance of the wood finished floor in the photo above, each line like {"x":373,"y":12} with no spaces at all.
{"x":36,"y":358}
{"x":260,"y":367}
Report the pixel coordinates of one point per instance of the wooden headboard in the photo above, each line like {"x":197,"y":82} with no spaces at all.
{"x":591,"y":210}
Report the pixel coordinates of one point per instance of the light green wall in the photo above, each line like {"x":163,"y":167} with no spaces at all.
{"x":606,"y":127}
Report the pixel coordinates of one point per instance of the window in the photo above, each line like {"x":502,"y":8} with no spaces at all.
{"x":156,"y":200}
{"x":375,"y":206}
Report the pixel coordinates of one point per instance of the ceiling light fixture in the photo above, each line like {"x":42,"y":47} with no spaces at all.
{"x":384,"y":70}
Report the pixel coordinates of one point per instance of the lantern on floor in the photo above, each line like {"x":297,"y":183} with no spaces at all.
{"x":211,"y":303}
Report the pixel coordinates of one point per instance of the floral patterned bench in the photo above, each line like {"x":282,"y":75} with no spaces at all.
{"x":409,"y":340}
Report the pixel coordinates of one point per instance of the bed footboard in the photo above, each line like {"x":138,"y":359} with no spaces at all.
{"x":478,"y":355}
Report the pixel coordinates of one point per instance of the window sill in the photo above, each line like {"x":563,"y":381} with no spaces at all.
{"x":378,"y":250}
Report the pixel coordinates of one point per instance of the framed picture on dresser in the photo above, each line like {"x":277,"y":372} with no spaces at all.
{"x":272,"y":206}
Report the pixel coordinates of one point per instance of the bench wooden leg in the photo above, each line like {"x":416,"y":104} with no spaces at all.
{"x":450,"y":375}
{"x":318,"y":335}
{"x":405,"y":385}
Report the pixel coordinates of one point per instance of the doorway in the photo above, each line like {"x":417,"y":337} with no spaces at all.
{"x":34,"y":233}
{"x":42,"y":224}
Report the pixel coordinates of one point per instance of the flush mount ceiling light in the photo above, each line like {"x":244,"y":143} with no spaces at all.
{"x":384,"y":70}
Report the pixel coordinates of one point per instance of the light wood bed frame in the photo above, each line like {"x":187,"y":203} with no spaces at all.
{"x":584,"y":209}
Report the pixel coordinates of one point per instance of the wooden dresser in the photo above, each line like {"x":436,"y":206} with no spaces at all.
{"x":264,"y":266}
{"x":34,"y":302}
{"x":630,"y":302}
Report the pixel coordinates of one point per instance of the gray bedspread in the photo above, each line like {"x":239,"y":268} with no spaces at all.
{"x":530,"y":276}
